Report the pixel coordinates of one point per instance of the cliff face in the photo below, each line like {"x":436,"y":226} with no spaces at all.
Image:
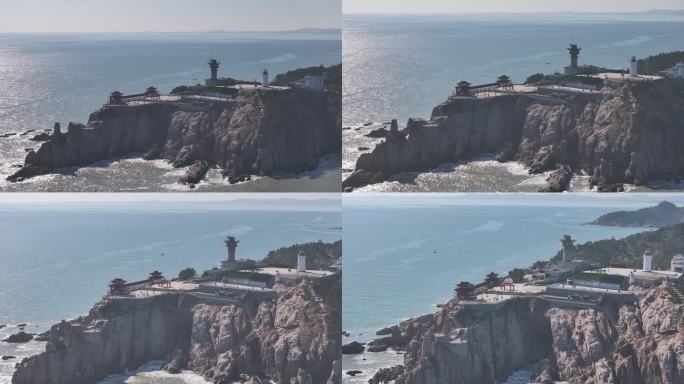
{"x":261,"y":133}
{"x":634,"y":343}
{"x":630,"y":133}
{"x":292,"y":340}
{"x":112,"y":338}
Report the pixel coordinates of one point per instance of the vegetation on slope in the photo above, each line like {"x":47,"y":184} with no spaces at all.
{"x":333,"y":76}
{"x":665,"y":243}
{"x":656,"y":63}
{"x":320,"y":255}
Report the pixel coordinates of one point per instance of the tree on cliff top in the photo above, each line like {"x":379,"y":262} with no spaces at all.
{"x":628,"y":252}
{"x":320,"y":255}
{"x":656,"y":63}
{"x":333,"y":76}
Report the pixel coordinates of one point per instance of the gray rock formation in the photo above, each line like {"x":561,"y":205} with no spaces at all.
{"x":631,"y":133}
{"x":291,"y":340}
{"x":629,"y":343}
{"x":259,"y":133}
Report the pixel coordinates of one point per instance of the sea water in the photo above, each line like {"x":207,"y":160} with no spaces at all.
{"x":56,"y":259}
{"x":401,"y":66}
{"x":404,"y":253}
{"x":48,"y":78}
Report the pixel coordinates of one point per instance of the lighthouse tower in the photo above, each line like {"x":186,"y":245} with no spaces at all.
{"x":568,"y":247}
{"x":264,"y":80}
{"x":213,"y":65}
{"x":633,"y":66}
{"x":301,"y":262}
{"x":231,"y":244}
{"x":574,"y":51}
{"x":648,"y":260}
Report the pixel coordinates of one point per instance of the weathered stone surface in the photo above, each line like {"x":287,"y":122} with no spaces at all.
{"x":610,"y":137}
{"x":558,"y":180}
{"x":291,"y":340}
{"x":353,"y":348}
{"x":631,"y":343}
{"x":262,"y":133}
{"x":19,"y":337}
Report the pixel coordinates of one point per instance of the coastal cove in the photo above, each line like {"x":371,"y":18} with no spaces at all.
{"x":77,"y":248}
{"x":430,"y":243}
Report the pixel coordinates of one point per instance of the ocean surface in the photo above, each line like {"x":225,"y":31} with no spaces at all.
{"x":48,"y":78}
{"x":404,"y":253}
{"x":401,"y":66}
{"x":56,"y":259}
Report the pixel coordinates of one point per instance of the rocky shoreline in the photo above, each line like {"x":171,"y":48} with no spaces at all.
{"x":290,"y":339}
{"x":257,"y":133}
{"x":629,"y":133}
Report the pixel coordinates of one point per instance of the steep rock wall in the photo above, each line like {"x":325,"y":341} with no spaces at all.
{"x":631,"y":133}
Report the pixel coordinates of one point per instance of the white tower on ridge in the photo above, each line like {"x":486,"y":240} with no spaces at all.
{"x":264,"y":80}
{"x":648,"y":260}
{"x":301,"y":262}
{"x":633,"y":66}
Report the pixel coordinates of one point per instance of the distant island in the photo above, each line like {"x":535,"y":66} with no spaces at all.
{"x":618,"y":126}
{"x":604,"y":311}
{"x":242,"y":127}
{"x":245,"y":320}
{"x":661,"y":215}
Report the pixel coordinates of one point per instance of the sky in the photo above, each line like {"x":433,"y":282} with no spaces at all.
{"x":166,"y":15}
{"x":488,"y":6}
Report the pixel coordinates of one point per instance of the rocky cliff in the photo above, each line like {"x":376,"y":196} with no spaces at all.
{"x":263,"y":132}
{"x":291,"y":340}
{"x":641,"y":342}
{"x":630,"y":133}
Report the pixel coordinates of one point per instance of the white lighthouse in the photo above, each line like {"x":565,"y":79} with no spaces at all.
{"x":648,"y":260}
{"x":301,"y":262}
{"x":264,"y":80}
{"x":633,"y":66}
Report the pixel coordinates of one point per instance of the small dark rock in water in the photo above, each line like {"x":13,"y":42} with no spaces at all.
{"x":176,"y":362}
{"x":7,"y":135}
{"x":195,"y":173}
{"x":347,"y":170}
{"x":41,"y":337}
{"x":618,"y":187}
{"x":8,"y":357}
{"x":232,"y":179}
{"x":380,"y":347}
{"x":386,"y":375}
{"x":363,"y":148}
{"x":41,"y":137}
{"x":344,"y":333}
{"x":27,"y":132}
{"x":377,"y":133}
{"x":384,"y":331}
{"x":353,"y":372}
{"x":22,"y":325}
{"x":20,"y":337}
{"x":2,"y":326}
{"x":367,"y":124}
{"x":357,"y":129}
{"x":346,"y":128}
{"x":28,"y":149}
{"x":558,"y":180}
{"x":353,"y":348}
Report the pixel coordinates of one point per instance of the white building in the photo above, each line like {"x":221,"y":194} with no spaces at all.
{"x":675,"y":72}
{"x":677,"y":263}
{"x":314,"y":83}
{"x":648,"y":261}
{"x":633,"y":66}
{"x":264,"y":79}
{"x":301,"y":262}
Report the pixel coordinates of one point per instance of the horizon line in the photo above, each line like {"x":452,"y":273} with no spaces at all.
{"x":517,"y":12}
{"x":295,"y":30}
